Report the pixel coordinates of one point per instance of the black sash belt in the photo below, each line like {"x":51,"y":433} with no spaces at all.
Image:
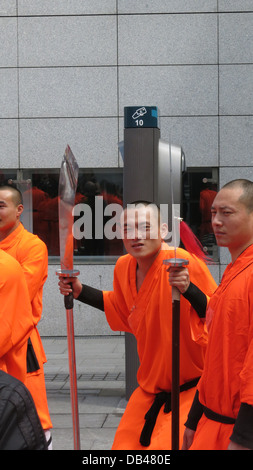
{"x":31,"y":360}
{"x":217,"y":417}
{"x":162,"y":398}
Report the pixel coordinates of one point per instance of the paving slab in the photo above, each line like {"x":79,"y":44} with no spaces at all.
{"x":100,"y":365}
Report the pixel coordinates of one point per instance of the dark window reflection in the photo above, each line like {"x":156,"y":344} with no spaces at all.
{"x":6,"y":177}
{"x":40,"y":192}
{"x":199,"y":190}
{"x":45,"y":210}
{"x":107,"y":185}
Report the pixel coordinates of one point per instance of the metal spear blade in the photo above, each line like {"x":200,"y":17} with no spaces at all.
{"x":67,"y":191}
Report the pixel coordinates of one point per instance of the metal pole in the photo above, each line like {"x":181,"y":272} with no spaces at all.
{"x":175,"y":388}
{"x":175,"y":379}
{"x":68,"y":302}
{"x":72,"y":370}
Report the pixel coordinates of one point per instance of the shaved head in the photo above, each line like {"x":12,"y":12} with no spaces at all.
{"x":16,"y":194}
{"x":246,"y":197}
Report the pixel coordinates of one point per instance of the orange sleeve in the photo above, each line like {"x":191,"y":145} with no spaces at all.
{"x":15,"y":313}
{"x":115,"y":307}
{"x":246,"y":374}
{"x":33,"y":258}
{"x":202,"y":278}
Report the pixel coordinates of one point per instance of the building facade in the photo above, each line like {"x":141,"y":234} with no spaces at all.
{"x":67,"y":70}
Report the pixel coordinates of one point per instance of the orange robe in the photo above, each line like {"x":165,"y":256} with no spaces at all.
{"x":31,"y":253}
{"x":147,"y":314}
{"x":227,"y":379}
{"x":16,"y":321}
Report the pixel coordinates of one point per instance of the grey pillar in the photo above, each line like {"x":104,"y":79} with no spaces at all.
{"x":146,"y":176}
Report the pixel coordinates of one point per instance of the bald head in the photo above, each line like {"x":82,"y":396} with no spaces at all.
{"x":16,"y":195}
{"x":11,"y":208}
{"x":246,"y":186}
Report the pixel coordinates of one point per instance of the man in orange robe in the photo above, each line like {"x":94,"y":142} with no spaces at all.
{"x":141,"y":303}
{"x":221,"y":416}
{"x":16,"y":321}
{"x":31,"y":253}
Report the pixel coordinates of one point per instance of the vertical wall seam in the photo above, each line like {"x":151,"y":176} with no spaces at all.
{"x":18,"y":89}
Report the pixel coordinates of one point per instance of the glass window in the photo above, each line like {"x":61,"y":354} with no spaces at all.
{"x":99,"y":189}
{"x":7,"y":176}
{"x":96,"y":188}
{"x":199,"y":189}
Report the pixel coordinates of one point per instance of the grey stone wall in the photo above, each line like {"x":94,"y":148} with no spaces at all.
{"x":68,"y":68}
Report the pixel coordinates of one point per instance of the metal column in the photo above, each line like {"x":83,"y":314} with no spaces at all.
{"x":146,"y":177}
{"x":140,"y":153}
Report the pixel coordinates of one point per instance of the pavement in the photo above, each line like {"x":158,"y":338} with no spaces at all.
{"x":100,"y":366}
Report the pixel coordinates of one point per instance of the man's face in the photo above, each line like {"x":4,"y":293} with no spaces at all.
{"x":141,"y":231}
{"x":9,"y":212}
{"x":231,"y":221}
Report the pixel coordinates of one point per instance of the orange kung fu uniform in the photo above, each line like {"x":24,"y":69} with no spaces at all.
{"x":16,"y":320}
{"x":147,"y":314}
{"x":31,"y":253}
{"x":226,"y":386}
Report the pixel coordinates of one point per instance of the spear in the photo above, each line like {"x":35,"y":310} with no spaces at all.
{"x":67,"y":191}
{"x":175,"y":263}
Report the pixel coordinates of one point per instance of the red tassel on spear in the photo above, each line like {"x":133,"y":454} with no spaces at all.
{"x":192,"y":244}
